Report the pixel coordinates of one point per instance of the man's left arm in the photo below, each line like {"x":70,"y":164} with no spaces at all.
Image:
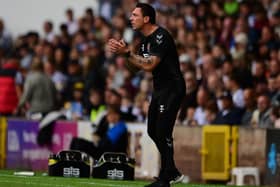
{"x":145,"y":63}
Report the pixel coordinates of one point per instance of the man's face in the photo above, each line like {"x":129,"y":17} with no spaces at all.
{"x":137,"y":19}
{"x":248,"y":98}
{"x":112,"y":117}
{"x":263,"y":103}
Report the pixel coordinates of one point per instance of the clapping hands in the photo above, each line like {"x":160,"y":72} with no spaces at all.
{"x":118,"y":47}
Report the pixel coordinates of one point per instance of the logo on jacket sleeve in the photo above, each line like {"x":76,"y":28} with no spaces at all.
{"x":161,"y":108}
{"x":159,"y":38}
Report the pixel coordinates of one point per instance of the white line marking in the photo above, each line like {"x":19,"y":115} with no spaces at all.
{"x":31,"y":183}
{"x":34,"y":183}
{"x":108,"y":184}
{"x":57,"y":185}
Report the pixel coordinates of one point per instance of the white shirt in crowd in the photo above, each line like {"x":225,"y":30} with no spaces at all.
{"x":238,"y":98}
{"x":200,"y":116}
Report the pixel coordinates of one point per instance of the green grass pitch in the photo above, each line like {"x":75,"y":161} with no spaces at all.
{"x":8,"y":179}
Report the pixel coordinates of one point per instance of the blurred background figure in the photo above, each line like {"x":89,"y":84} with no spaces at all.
{"x":6,"y":41}
{"x":39,"y":93}
{"x":250,"y":106}
{"x":48,"y":31}
{"x":261,"y":116}
{"x":95,"y":105}
{"x":75,"y":108}
{"x":11,"y":86}
{"x":229,"y":114}
{"x":111,"y":136}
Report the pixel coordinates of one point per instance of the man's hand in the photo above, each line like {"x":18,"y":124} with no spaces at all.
{"x":118,"y":47}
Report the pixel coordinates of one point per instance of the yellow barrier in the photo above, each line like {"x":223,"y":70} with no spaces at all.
{"x":219,"y":151}
{"x":3,"y":132}
{"x":234,"y":146}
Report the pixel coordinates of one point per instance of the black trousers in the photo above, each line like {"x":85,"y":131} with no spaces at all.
{"x":161,"y":120}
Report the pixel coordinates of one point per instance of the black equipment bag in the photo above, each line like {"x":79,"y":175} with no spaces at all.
{"x":69,"y":164}
{"x":114,"y":166}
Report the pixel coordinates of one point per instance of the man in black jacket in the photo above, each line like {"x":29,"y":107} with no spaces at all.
{"x":157,"y":54}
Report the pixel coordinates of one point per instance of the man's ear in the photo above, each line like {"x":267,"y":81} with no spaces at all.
{"x":146,"y":19}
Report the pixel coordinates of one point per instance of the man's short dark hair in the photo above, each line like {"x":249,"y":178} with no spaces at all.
{"x":148,"y":10}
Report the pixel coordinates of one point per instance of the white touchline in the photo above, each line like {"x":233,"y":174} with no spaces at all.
{"x":90,"y":183}
{"x":41,"y":184}
{"x":107,"y":184}
{"x":32,"y":183}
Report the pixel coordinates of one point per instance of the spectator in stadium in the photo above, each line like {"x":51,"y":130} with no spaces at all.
{"x":208,"y":66}
{"x":202,"y":98}
{"x":186,"y":63}
{"x":226,"y":70}
{"x":138,"y":105}
{"x":250,"y":106}
{"x":119,"y":25}
{"x":144,"y":93}
{"x":229,"y":114}
{"x":211,"y":111}
{"x":25,"y":56}
{"x":272,"y":86}
{"x":226,"y":32}
{"x":236,"y":91}
{"x":48,"y":31}
{"x":127,"y":106}
{"x":113,"y":98}
{"x":59,"y":79}
{"x":258,"y":72}
{"x":48,"y":51}
{"x":275,"y":100}
{"x":267,"y":41}
{"x":92,"y":67}
{"x":38,"y":51}
{"x":10,"y":86}
{"x":145,"y":88}
{"x":74,"y":75}
{"x":275,"y":116}
{"x":102,"y":28}
{"x":110,"y":136}
{"x":60,"y":60}
{"x":89,"y":19}
{"x":39,"y":93}
{"x":261,"y":116}
{"x":6,"y":41}
{"x":75,"y":108}
{"x":190,"y":97}
{"x":96,"y":104}
{"x":189,"y":119}
{"x":239,"y":49}
{"x":274,"y":66}
{"x":72,"y":25}
{"x":219,"y":54}
{"x":215,"y":85}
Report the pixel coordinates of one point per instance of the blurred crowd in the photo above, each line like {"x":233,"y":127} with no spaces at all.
{"x":228,"y":51}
